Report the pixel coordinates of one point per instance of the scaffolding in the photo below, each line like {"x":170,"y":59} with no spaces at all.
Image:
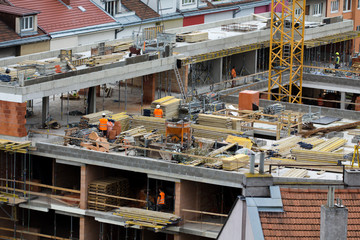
{"x":286,"y":50}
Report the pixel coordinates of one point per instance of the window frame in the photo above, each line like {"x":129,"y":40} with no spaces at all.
{"x":318,"y":6}
{"x":347,"y":4}
{"x":27,"y":23}
{"x":111,"y":7}
{"x":332,"y":5}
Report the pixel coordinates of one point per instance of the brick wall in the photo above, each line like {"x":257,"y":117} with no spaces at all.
{"x":12,"y":119}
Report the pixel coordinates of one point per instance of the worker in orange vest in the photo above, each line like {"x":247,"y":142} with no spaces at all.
{"x":103,"y":124}
{"x":320,"y":100}
{"x":233,"y":76}
{"x":160,"y":200}
{"x":158,"y":112}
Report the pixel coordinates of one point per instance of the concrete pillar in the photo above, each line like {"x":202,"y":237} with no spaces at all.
{"x":88,"y":174}
{"x":45,"y":110}
{"x":343,"y":99}
{"x":217,"y":70}
{"x":333,"y":223}
{"x":91,"y":100}
{"x":88,"y":229}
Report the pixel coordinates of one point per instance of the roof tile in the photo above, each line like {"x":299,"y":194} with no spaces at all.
{"x":17,"y":11}
{"x":142,"y":10}
{"x":301,"y":216}
{"x":55,"y":16}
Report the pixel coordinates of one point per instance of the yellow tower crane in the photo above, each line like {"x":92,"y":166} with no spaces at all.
{"x":286,"y":50}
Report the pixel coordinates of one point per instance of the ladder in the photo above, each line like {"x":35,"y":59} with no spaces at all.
{"x":180,"y":83}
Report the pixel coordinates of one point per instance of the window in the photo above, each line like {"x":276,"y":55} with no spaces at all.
{"x":357,"y":28}
{"x":111,"y":7}
{"x":335,"y":6}
{"x":347,"y":5}
{"x":358,"y":3}
{"x":318,"y":9}
{"x":298,"y":10}
{"x":187,"y":2}
{"x":27,"y":23}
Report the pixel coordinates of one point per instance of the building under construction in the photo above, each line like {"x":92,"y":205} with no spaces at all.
{"x":233,"y":162}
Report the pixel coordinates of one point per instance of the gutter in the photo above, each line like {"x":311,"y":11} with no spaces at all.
{"x":24,"y":41}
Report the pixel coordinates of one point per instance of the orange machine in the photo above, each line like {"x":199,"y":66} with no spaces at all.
{"x":178,"y":131}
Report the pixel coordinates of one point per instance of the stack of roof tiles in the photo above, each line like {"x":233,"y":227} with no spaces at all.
{"x":301,"y":216}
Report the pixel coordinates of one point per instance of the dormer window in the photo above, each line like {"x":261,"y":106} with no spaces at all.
{"x":111,"y":7}
{"x":27,"y":23}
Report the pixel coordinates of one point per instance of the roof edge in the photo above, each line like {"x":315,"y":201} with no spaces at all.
{"x":21,"y":41}
{"x":85,"y":30}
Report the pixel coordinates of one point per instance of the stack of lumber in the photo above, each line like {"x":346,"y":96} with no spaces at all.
{"x":109,"y":186}
{"x":98,"y":143}
{"x":330,"y":145}
{"x":146,"y":218}
{"x":317,"y":156}
{"x":244,"y":142}
{"x":169,"y":105}
{"x":284,"y":146}
{"x":194,"y":36}
{"x":295,"y":173}
{"x":150,"y":123}
{"x":92,"y":118}
{"x":235,"y":162}
{"x":215,"y":121}
{"x":134,"y":132}
{"x":121,"y":46}
{"x":123,"y":118}
{"x":111,"y":58}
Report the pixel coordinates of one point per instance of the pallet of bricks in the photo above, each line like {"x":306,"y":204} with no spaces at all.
{"x":109,"y":186}
{"x":169,"y":105}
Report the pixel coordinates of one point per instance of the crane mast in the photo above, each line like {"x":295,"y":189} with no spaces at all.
{"x":286,"y":50}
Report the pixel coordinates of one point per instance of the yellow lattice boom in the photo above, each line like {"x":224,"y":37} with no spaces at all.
{"x":286,"y":50}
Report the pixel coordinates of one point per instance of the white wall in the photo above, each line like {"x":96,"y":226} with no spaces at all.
{"x":62,"y":43}
{"x":186,"y":6}
{"x":167,"y":6}
{"x":96,"y":37}
{"x":218,"y":16}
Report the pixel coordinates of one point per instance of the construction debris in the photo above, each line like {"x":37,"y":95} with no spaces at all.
{"x":330,"y":129}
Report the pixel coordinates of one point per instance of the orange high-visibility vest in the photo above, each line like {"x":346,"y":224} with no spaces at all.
{"x":158,"y":113}
{"x":320,"y":102}
{"x":233,"y":73}
{"x":161,"y":198}
{"x":103,"y":124}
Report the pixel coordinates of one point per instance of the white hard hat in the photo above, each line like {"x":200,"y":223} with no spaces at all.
{"x":104,"y":114}
{"x":158,"y":106}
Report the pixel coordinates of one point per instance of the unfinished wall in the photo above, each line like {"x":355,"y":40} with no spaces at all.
{"x":34,"y":48}
{"x":12,"y":119}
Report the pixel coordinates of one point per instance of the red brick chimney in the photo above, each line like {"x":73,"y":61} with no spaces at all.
{"x":67,"y":2}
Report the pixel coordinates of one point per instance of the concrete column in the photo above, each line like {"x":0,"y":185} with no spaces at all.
{"x":91,"y":100}
{"x":343,"y":99}
{"x":217,"y":70}
{"x":88,"y":229}
{"x":88,"y":174}
{"x":149,"y":88}
{"x":333,"y":223}
{"x":45,"y":110}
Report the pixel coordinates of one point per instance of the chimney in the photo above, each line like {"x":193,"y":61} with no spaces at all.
{"x":334,"y":218}
{"x":67,"y":2}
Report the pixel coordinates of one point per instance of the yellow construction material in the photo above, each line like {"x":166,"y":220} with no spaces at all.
{"x":317,"y":156}
{"x":330,"y":145}
{"x":244,"y":142}
{"x":235,"y":162}
{"x":355,"y":155}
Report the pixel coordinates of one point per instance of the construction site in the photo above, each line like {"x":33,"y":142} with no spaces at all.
{"x":234,"y":156}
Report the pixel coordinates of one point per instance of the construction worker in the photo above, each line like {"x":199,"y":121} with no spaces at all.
{"x":337,"y":61}
{"x":158,"y":112}
{"x":103,"y":124}
{"x":233,"y":76}
{"x":160,"y":200}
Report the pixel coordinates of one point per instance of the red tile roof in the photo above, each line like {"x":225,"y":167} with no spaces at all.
{"x":17,"y":11}
{"x":6,"y":33}
{"x":55,"y":16}
{"x":142,"y":10}
{"x":301,"y":216}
